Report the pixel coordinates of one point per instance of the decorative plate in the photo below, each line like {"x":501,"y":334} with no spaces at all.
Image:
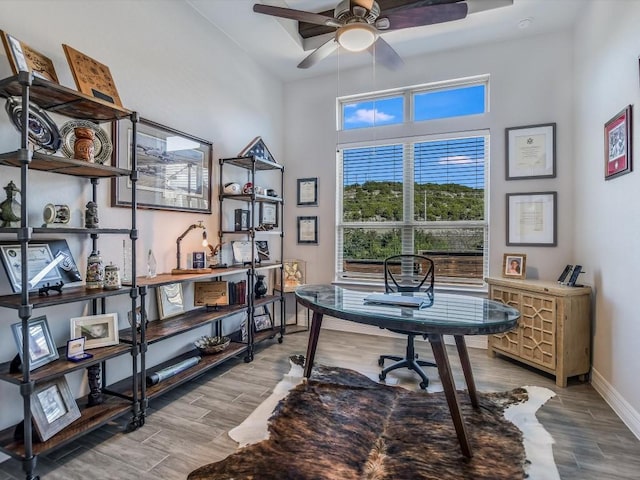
{"x":102,"y":146}
{"x":42,"y":130}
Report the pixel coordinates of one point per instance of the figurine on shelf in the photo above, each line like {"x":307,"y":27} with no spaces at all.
{"x":6,"y":207}
{"x":91,"y":215}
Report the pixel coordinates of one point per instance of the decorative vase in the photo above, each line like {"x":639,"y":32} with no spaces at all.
{"x":95,"y":271}
{"x":260,"y":288}
{"x":83,"y":148}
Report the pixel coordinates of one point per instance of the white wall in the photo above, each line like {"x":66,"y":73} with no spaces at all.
{"x":530,"y":83}
{"x":174,"y":68}
{"x":607,"y":221}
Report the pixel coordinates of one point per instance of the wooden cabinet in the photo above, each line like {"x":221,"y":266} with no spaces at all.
{"x":554,"y":330}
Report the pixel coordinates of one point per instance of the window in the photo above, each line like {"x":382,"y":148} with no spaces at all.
{"x":375,"y":112}
{"x":423,"y":194}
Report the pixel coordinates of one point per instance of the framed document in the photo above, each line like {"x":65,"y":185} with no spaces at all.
{"x":268,"y":214}
{"x":307,"y":192}
{"x":531,"y":152}
{"x":308,"y":230}
{"x":531,"y":219}
{"x":617,"y":145}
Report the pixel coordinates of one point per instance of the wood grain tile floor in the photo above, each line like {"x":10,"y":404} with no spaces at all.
{"x":187,"y":427}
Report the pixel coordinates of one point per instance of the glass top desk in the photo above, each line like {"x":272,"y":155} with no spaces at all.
{"x":443,"y":314}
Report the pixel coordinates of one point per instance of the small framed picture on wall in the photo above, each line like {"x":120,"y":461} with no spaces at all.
{"x":617,"y":144}
{"x":307,"y":192}
{"x":308,"y":230}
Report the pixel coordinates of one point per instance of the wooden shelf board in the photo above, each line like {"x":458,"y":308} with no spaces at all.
{"x":92,"y":418}
{"x":265,"y":335}
{"x":161,"y":329}
{"x":69,"y":294}
{"x":250,"y":161}
{"x":266,"y":300}
{"x":64,"y":166}
{"x":62,"y":366}
{"x":167,"y":278}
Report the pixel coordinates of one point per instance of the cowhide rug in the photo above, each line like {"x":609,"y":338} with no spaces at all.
{"x":340,"y":425}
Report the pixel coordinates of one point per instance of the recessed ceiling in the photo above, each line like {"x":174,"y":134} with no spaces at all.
{"x":275,"y":42}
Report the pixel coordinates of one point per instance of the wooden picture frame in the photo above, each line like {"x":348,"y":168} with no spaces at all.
{"x":262,"y":322}
{"x":618,"y":144}
{"x":99,"y":330}
{"x":210,"y":293}
{"x":532,"y":219}
{"x":308,"y":230}
{"x":268,"y":214}
{"x":42,"y":349}
{"x":307,"y":192}
{"x":23,"y":58}
{"x":514,"y":265}
{"x":531,"y":151}
{"x":92,"y":77}
{"x":258,"y":149}
{"x":174,"y":168}
{"x":263,"y":250}
{"x":170,"y":300}
{"x":53,"y":408}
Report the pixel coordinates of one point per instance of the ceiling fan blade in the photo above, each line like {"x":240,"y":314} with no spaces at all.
{"x":425,"y":15}
{"x":482,"y":5}
{"x":320,"y":53}
{"x":384,"y":54}
{"x":298,"y":15}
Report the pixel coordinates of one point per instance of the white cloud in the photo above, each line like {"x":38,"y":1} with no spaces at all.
{"x":458,"y":160}
{"x":364,"y":115}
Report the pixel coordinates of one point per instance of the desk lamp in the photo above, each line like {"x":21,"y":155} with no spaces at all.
{"x":191,"y":227}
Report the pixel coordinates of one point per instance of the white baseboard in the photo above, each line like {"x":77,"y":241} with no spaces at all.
{"x":330,"y":323}
{"x":623,"y":409}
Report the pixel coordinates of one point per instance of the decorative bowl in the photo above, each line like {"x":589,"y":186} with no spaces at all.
{"x":210,"y":345}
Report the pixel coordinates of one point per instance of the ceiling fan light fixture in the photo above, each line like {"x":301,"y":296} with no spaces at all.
{"x":356,"y":37}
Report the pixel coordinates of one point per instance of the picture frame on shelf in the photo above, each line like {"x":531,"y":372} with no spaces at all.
{"x":268,"y":214}
{"x":531,"y":152}
{"x":53,"y":407}
{"x":262,"y":322}
{"x":49,"y":261}
{"x":514,"y":265}
{"x":23,"y":58}
{"x":262,"y":247}
{"x":99,"y":330}
{"x":618,"y":144}
{"x":308,"y":230}
{"x":241,"y":219}
{"x":92,"y":77}
{"x":242,"y":252}
{"x":210,"y":293}
{"x":258,"y":149}
{"x":170,"y":300}
{"x":174,"y":168}
{"x":42,"y":349}
{"x":307,"y":192}
{"x":532,"y":219}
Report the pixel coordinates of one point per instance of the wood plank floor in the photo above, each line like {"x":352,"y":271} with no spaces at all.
{"x":188,"y":426}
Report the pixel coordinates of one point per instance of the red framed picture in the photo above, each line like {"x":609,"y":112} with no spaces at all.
{"x":617,"y":145}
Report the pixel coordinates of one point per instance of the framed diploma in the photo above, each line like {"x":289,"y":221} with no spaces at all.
{"x":308,"y":230}
{"x":531,"y":219}
{"x":617,"y":145}
{"x":531,"y":152}
{"x":308,"y":192}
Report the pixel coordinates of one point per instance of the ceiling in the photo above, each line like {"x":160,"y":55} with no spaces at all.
{"x":275,"y":42}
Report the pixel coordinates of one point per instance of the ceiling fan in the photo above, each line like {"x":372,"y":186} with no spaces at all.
{"x":358,"y":24}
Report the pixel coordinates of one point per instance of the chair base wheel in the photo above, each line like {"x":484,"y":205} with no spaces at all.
{"x":382,"y":377}
{"x":424,"y":385}
{"x":381,"y":362}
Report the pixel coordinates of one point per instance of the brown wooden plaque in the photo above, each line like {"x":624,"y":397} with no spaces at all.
{"x":211,"y":293}
{"x":24,"y":58}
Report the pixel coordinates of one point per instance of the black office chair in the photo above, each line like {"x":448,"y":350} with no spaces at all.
{"x":408,"y":273}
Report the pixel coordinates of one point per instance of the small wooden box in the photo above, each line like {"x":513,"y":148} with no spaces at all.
{"x":211,"y":293}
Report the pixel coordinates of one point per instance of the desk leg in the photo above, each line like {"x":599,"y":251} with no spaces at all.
{"x":466,"y":368}
{"x":446,"y":377}
{"x":316,"y":323}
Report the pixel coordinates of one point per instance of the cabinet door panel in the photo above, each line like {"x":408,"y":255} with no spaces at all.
{"x":538,"y":329}
{"x":508,"y":341}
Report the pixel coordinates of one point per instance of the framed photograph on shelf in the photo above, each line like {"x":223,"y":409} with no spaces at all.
{"x":258,"y":149}
{"x":531,"y":219}
{"x":242,"y":251}
{"x":531,"y":151}
{"x":307,"y":192}
{"x":170,"y":300}
{"x":617,"y":145}
{"x":263,"y":250}
{"x":514,"y":265}
{"x":99,"y":330}
{"x":42,"y":349}
{"x":53,"y":407}
{"x":308,"y":230}
{"x":174,"y":168}
{"x":262,"y":322}
{"x":23,"y":58}
{"x":268,"y":214}
{"x":92,"y":77}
